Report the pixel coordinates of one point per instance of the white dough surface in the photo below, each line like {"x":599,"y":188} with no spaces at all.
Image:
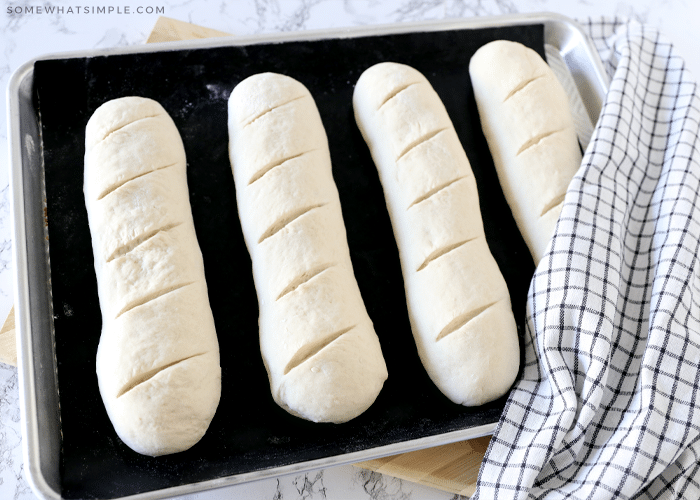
{"x":158,"y":357}
{"x":526,"y":119}
{"x":318,"y":344}
{"x":458,"y":301}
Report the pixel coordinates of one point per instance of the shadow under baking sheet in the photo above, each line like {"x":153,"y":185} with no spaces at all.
{"x":249,"y":432}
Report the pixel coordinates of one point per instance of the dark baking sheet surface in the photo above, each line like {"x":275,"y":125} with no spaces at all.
{"x":249,"y":432}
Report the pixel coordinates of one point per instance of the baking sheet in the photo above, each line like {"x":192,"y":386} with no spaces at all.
{"x":250,"y":433}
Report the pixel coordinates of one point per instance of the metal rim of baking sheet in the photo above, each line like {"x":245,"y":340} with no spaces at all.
{"x":38,"y":389}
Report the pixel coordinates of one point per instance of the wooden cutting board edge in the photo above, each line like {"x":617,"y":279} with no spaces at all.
{"x":8,"y":340}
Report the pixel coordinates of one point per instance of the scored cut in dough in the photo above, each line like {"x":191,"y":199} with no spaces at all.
{"x":526,"y":119}
{"x":458,"y":302}
{"x":317,"y":341}
{"x":158,"y":357}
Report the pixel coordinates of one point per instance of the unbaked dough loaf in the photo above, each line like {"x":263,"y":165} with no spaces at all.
{"x":158,"y":357}
{"x":527,"y":122}
{"x":317,"y":341}
{"x":458,"y":302}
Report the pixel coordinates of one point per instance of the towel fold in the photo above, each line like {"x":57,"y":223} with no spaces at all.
{"x":608,"y":404}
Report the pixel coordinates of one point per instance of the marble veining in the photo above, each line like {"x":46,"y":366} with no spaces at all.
{"x":5,"y":226}
{"x":29,"y":35}
{"x":12,"y":483}
{"x":310,"y":485}
{"x":379,"y":487}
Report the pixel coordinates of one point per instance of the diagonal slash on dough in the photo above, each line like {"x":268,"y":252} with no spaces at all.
{"x":144,"y":377}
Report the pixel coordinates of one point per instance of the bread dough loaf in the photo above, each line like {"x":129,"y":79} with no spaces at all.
{"x":317,"y":341}
{"x":158,"y":357}
{"x":527,"y":122}
{"x":458,"y":302}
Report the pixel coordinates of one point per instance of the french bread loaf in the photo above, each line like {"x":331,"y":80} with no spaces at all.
{"x":526,"y":119}
{"x":158,"y":357}
{"x":458,"y":302}
{"x":317,"y":341}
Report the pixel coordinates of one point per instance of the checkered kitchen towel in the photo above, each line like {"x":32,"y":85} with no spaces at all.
{"x":609,"y":402}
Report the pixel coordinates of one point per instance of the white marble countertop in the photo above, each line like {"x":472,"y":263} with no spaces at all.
{"x":28,"y":30}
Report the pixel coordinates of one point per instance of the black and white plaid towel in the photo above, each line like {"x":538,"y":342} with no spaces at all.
{"x":609,"y":402}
